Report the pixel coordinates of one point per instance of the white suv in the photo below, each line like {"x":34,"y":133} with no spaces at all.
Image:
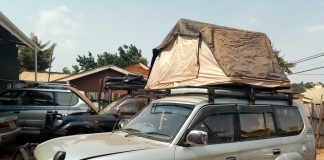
{"x":200,"y":124}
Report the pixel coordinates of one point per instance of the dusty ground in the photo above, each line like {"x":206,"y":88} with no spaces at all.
{"x":7,"y":150}
{"x":320,"y":154}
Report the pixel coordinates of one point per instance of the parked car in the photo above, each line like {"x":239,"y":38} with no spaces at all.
{"x":8,"y":127}
{"x":31,"y":104}
{"x":106,"y":120}
{"x":113,"y":116}
{"x":211,"y":123}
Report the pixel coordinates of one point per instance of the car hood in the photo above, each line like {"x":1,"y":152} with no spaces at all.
{"x":93,"y":145}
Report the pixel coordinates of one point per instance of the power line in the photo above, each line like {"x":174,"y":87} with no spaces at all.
{"x":308,"y":65}
{"x":308,"y":70}
{"x":319,"y":74}
{"x":308,"y":58}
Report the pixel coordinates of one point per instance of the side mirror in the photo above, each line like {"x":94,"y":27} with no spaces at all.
{"x":123,"y":123}
{"x":60,"y":155}
{"x":197,"y":138}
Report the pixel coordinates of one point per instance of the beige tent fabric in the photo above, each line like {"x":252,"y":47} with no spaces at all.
{"x":177,"y":66}
{"x":173,"y":69}
{"x":226,"y":55}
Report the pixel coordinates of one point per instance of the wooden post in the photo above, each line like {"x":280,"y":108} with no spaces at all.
{"x":319,"y":125}
{"x":311,"y":113}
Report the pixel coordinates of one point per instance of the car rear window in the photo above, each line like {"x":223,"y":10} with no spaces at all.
{"x":66,"y":99}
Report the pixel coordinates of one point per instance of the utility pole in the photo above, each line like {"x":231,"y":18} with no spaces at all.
{"x":35,"y":49}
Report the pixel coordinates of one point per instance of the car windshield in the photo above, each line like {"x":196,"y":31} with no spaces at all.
{"x":112,"y":104}
{"x":159,"y":121}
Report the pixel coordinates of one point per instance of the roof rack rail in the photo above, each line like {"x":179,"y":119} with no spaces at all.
{"x":50,"y":85}
{"x":251,"y":93}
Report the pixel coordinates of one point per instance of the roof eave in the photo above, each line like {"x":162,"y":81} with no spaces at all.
{"x":9,"y":26}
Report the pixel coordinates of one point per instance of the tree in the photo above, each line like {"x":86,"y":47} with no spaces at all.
{"x":285,"y":65}
{"x":298,"y":87}
{"x":76,"y":69}
{"x":86,"y":62}
{"x":66,"y":70}
{"x":26,"y":55}
{"x":125,"y":55}
{"x":107,"y":58}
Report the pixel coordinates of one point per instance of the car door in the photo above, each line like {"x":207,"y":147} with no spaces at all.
{"x":10,"y":101}
{"x":219,"y":123}
{"x":258,"y":136}
{"x":36,"y":105}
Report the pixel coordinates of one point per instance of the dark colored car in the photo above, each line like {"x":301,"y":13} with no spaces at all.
{"x":122,"y":109}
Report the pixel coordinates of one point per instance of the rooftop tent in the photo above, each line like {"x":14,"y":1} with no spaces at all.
{"x":199,"y":54}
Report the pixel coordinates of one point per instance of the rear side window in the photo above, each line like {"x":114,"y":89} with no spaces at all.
{"x":66,"y":99}
{"x":38,"y":98}
{"x":256,"y":125}
{"x":289,"y":121}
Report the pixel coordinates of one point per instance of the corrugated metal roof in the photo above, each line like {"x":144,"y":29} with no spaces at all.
{"x":92,"y":71}
{"x":10,"y":27}
{"x":41,"y":76}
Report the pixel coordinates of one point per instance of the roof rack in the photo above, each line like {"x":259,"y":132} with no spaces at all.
{"x":251,"y":93}
{"x":129,"y":82}
{"x":50,"y":85}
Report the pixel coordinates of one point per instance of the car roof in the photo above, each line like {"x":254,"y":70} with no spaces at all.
{"x":39,"y":89}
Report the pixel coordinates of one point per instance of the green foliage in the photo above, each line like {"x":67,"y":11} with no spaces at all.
{"x":125,"y":55}
{"x":76,"y":69}
{"x":86,"y":62}
{"x":66,"y":70}
{"x":298,"y":87}
{"x":26,"y":56}
{"x":308,"y":85}
{"x":285,"y":65}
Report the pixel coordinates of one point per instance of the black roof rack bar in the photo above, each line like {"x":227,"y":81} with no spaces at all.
{"x":250,"y":93}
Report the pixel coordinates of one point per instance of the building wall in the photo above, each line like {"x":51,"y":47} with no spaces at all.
{"x":136,"y":68}
{"x":91,"y":83}
{"x":9,"y":66}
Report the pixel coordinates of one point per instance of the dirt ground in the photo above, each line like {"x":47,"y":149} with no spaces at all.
{"x":8,"y":150}
{"x":320,"y":154}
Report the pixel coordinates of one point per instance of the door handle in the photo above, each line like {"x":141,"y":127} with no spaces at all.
{"x":16,"y":112}
{"x":276,"y":151}
{"x":230,"y":158}
{"x":49,"y":111}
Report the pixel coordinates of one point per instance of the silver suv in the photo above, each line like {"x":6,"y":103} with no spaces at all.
{"x":200,"y":123}
{"x":32,"y":104}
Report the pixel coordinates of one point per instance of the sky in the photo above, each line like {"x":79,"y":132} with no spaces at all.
{"x":296,"y":28}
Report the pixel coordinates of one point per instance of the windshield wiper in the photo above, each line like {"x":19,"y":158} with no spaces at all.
{"x":127,"y":129}
{"x":156,"y":133}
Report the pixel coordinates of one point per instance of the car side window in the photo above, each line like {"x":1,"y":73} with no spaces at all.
{"x":289,"y":120}
{"x":220,"y":128}
{"x":218,"y":121}
{"x":66,"y":99}
{"x":38,"y":98}
{"x":256,"y":125}
{"x":11,"y":97}
{"x":131,"y":105}
{"x":256,"y":122}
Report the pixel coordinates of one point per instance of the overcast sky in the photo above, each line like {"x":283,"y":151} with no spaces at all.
{"x":296,"y":28}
